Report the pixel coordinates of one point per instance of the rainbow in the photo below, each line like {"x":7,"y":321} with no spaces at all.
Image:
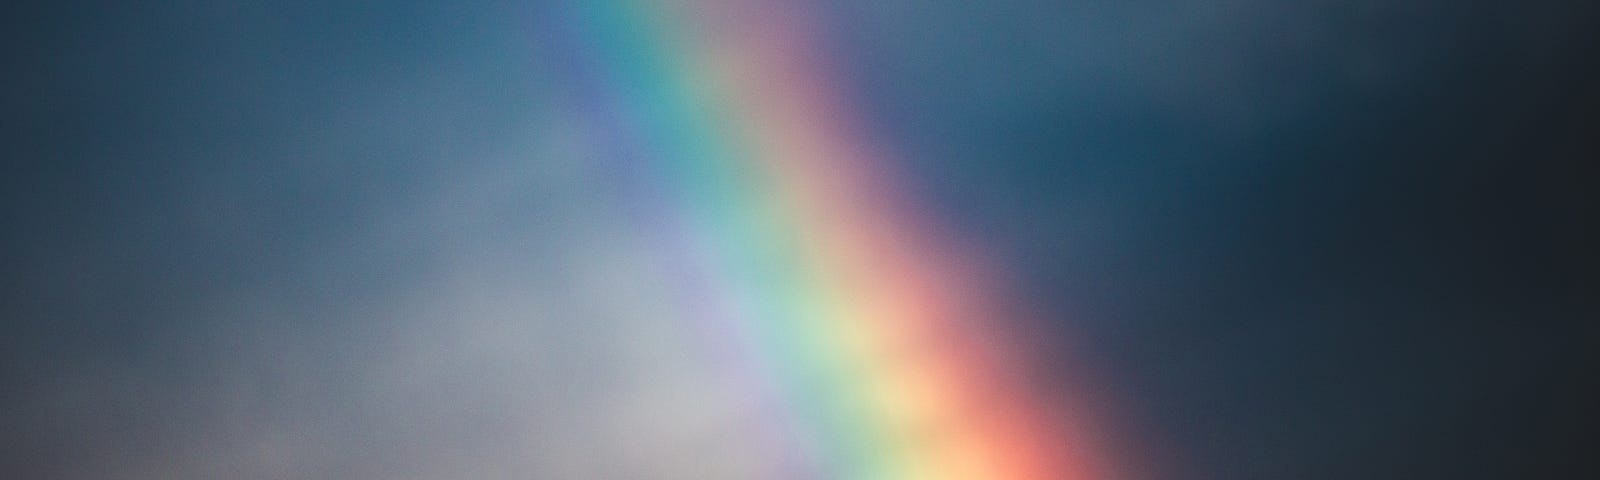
{"x":880,"y":338}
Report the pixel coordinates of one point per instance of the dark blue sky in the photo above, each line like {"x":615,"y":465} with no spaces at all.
{"x":347,"y":239}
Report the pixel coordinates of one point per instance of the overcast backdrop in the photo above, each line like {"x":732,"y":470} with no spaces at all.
{"x":357,"y":240}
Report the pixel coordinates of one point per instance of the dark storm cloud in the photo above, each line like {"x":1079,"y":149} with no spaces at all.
{"x":1313,"y":239}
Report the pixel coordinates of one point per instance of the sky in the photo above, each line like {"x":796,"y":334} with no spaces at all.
{"x":352,"y":239}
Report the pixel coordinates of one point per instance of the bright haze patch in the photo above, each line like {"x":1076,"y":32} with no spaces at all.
{"x":322,"y":240}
